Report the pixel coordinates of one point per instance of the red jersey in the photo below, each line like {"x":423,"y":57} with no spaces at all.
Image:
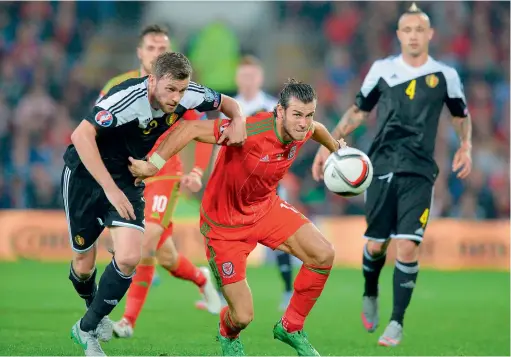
{"x":243,"y":185}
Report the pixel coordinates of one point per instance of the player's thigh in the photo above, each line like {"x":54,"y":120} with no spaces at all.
{"x":83,"y":208}
{"x":161,"y":199}
{"x":136,"y":198}
{"x":310,"y":246}
{"x":415,"y":194}
{"x":279,"y":224}
{"x":227,"y":258}
{"x":380,"y":208}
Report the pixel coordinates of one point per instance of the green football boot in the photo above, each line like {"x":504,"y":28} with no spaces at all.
{"x":298,"y":340}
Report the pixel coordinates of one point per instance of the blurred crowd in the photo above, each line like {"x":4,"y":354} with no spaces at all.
{"x":43,"y":93}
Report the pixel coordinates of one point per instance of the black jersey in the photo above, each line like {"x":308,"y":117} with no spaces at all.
{"x":127,"y":125}
{"x":410,"y":101}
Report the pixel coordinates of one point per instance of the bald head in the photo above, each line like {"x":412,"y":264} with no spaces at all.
{"x":414,"y":32}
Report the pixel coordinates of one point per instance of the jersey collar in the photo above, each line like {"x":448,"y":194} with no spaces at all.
{"x":411,"y":68}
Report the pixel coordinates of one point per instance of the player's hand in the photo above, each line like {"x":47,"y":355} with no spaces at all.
{"x":462,"y":163}
{"x":191,"y":181}
{"x":141,"y":169}
{"x":235,"y":133}
{"x":319,"y":163}
{"x":121,"y":203}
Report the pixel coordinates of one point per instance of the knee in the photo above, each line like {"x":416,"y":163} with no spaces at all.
{"x":407,"y":251}
{"x":324,"y":254}
{"x":167,"y":258}
{"x":376,"y":249}
{"x":243,"y":318}
{"x":128,"y":262}
{"x":83,"y":265}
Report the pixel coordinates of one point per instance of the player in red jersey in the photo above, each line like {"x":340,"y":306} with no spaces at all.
{"x":161,"y":195}
{"x":241,"y":208}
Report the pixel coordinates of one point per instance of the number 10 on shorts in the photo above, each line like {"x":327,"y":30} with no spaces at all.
{"x":159,"y":203}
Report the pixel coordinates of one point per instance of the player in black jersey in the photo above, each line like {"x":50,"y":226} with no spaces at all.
{"x":99,"y":191}
{"x":410,"y":90}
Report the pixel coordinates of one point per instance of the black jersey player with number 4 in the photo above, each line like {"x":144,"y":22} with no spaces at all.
{"x":98,"y":188}
{"x":410,"y":90}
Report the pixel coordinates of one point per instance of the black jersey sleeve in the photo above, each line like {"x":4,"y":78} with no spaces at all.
{"x":369,"y":93}
{"x":201,"y":98}
{"x":455,"y":96}
{"x":120,"y":108}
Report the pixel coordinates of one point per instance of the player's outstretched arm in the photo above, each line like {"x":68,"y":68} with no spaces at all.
{"x":176,"y":140}
{"x":348,"y":123}
{"x":236,"y":133}
{"x":322,"y":136}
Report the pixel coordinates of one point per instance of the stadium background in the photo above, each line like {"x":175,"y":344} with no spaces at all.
{"x":55,"y":57}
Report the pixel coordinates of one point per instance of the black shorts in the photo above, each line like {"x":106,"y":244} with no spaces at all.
{"x":88,"y":211}
{"x":398,"y":206}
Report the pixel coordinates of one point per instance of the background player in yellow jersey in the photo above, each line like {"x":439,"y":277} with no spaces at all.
{"x":161,"y":198}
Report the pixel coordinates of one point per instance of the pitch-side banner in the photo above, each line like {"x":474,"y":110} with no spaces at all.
{"x":448,"y":244}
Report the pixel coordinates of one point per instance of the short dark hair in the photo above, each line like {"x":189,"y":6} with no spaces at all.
{"x":299,"y":90}
{"x":151,"y":29}
{"x":250,"y":60}
{"x":172,"y":64}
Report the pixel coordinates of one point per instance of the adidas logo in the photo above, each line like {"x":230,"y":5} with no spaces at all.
{"x":111,"y":302}
{"x":394,"y":76}
{"x":409,"y":285}
{"x":266,"y":158}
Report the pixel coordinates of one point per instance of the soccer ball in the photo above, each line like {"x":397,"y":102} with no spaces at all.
{"x":348,"y":172}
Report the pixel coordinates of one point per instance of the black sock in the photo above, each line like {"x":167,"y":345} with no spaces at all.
{"x":371,"y":267}
{"x":405,"y":277}
{"x":86,"y":288}
{"x":286,"y":270}
{"x":112,"y":288}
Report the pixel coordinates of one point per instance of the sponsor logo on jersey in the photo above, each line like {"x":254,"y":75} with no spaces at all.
{"x":432,"y":81}
{"x":104,"y":118}
{"x":228,"y":268}
{"x":292,"y":153}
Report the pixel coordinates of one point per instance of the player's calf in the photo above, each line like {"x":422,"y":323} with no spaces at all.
{"x":406,"y":270}
{"x":82,"y":273}
{"x":373,"y":260}
{"x":317,"y":255}
{"x":117,"y":276}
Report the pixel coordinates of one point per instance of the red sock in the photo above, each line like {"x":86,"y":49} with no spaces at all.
{"x":137,"y":292}
{"x":227,"y":327}
{"x":184,"y":269}
{"x":309,"y":284}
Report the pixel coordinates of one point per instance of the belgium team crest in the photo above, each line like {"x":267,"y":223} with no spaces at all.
{"x":432,"y":81}
{"x":79,"y":240}
{"x":171,"y":119}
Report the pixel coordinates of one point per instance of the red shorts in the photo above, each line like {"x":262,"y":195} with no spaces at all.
{"x":227,"y":248}
{"x":161,"y":195}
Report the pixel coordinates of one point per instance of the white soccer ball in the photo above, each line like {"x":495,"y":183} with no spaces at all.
{"x":348,"y":172}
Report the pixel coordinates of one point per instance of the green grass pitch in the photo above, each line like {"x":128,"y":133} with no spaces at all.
{"x":455,"y":313}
